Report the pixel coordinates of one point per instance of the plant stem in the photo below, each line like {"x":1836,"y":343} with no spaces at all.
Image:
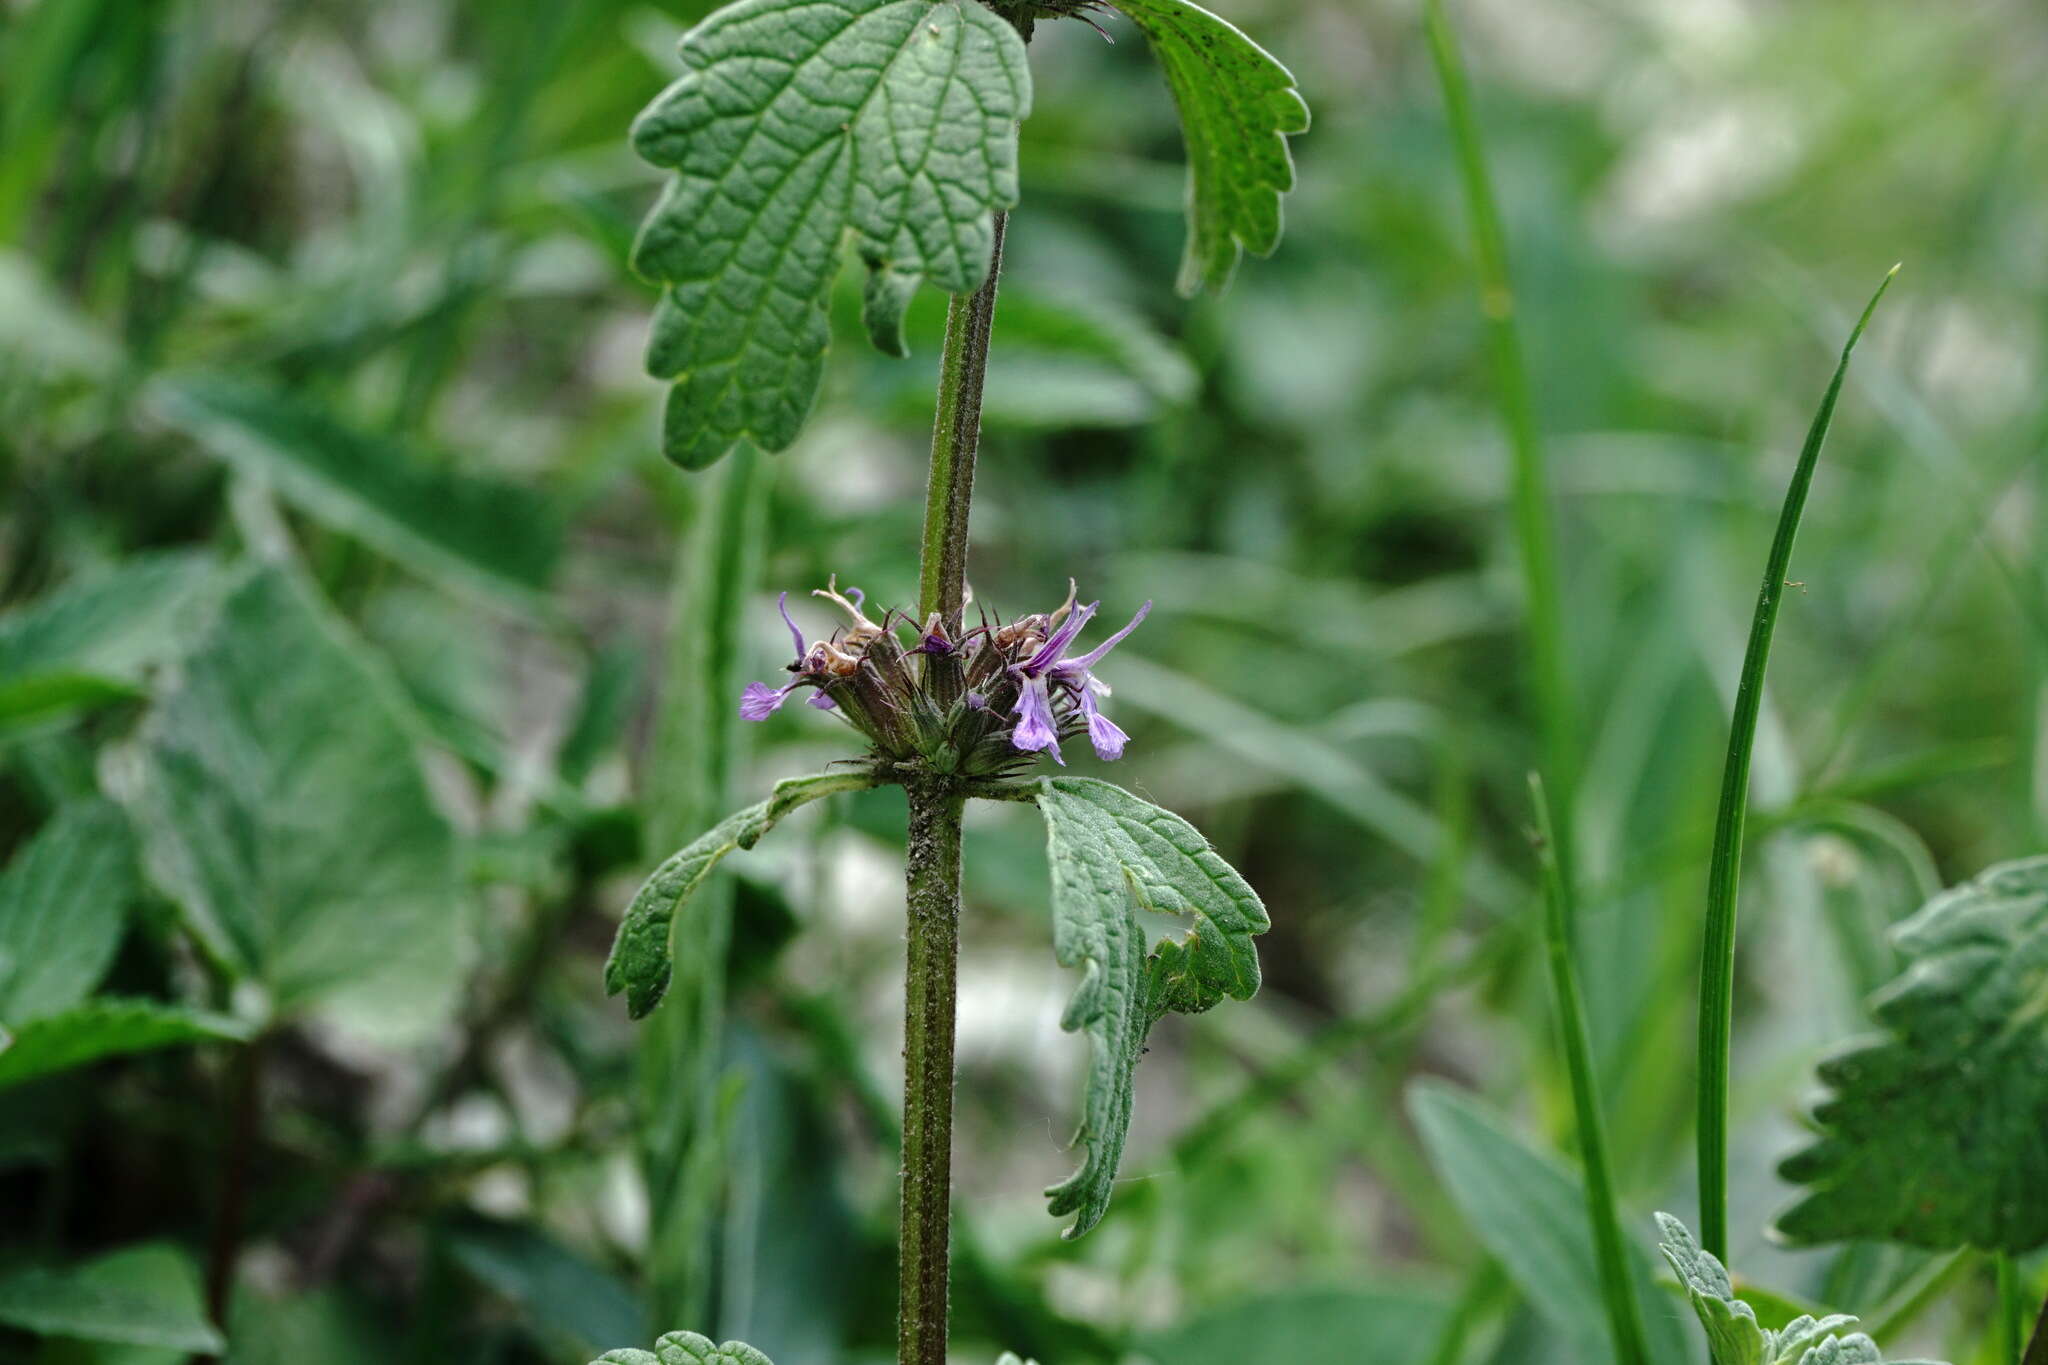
{"x":1921,"y":1293}
{"x":932,"y":855}
{"x":244,"y":1101}
{"x":1549,"y":680}
{"x":932,"y":874}
{"x":1617,"y":1285}
{"x":1717,"y":964}
{"x":680,"y":1058}
{"x":956,"y":435}
{"x":2011,"y":1328}
{"x":2037,"y":1349}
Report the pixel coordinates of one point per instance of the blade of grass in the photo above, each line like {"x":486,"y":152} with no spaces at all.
{"x":1624,"y":1312}
{"x":2010,"y":1331}
{"x":1717,"y":965}
{"x":696,"y":750}
{"x":1548,"y":678}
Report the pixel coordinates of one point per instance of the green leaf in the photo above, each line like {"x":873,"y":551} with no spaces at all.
{"x":1237,"y":108}
{"x":469,"y":531}
{"x":1529,"y":1210}
{"x":63,"y":903}
{"x":131,"y":1297}
{"x":800,"y":123}
{"x":1733,"y":1335}
{"x":93,"y":641}
{"x":1306,"y":1327}
{"x":107,"y":1026}
{"x":1112,"y":856}
{"x":282,"y":805}
{"x":1932,"y":1135}
{"x":640,"y":960}
{"x":565,"y":1294}
{"x":686,"y":1348}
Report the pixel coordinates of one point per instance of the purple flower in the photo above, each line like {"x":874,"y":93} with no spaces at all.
{"x":1048,"y":676}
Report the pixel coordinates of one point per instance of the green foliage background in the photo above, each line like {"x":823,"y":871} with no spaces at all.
{"x":327,"y":456}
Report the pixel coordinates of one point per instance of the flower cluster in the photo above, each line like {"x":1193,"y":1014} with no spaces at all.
{"x":980,"y":705}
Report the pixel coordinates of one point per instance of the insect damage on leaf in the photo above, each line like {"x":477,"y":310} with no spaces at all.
{"x":1734,"y":1336}
{"x":1932,"y":1133}
{"x":797,"y":124}
{"x":640,"y":963}
{"x":1112,"y":856}
{"x":1238,"y":106}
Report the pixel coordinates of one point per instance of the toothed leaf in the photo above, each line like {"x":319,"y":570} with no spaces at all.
{"x":1112,"y":856}
{"x":685,"y":1348}
{"x":1733,"y":1336}
{"x":799,"y":124}
{"x":1237,"y":108}
{"x":640,"y":963}
{"x":1931,"y":1135}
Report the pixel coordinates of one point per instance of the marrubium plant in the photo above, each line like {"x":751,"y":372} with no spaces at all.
{"x":805,"y":130}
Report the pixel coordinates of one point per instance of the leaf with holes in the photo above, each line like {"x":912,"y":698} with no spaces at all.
{"x":640,"y":960}
{"x":1238,"y":106}
{"x":1113,"y":856}
{"x":1932,"y":1133}
{"x":800,"y":124}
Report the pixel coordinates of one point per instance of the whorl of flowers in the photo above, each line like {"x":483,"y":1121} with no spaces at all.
{"x":982,"y":705}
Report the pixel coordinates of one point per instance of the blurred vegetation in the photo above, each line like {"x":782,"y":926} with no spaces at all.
{"x":345,"y":597}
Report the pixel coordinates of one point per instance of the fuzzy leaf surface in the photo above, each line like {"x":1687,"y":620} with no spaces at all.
{"x":641,"y":961}
{"x":1932,"y":1135}
{"x":686,"y":1348}
{"x":1238,"y":106}
{"x":63,"y":904}
{"x":799,"y":124}
{"x":282,"y":805}
{"x":1112,"y":857}
{"x":1733,"y":1334}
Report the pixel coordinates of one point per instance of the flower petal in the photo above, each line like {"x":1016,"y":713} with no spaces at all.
{"x":1103,"y":733}
{"x":1056,"y":643}
{"x":1035,"y":729}
{"x":782,"y":605}
{"x":760,"y":701}
{"x":1087,"y":661}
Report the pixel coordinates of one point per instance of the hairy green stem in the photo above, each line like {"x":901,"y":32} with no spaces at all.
{"x":1617,"y":1285}
{"x":1717,"y":962}
{"x":956,"y":435}
{"x":932,"y":857}
{"x":1549,"y":679}
{"x":932,"y":902}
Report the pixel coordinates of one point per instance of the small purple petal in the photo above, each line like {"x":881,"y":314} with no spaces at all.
{"x":1035,"y":730}
{"x":760,"y":701}
{"x":856,"y":596}
{"x":1103,"y":732}
{"x":1056,"y":643}
{"x":1087,"y":661}
{"x":976,"y":702}
{"x":819,"y":700}
{"x":782,"y":605}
